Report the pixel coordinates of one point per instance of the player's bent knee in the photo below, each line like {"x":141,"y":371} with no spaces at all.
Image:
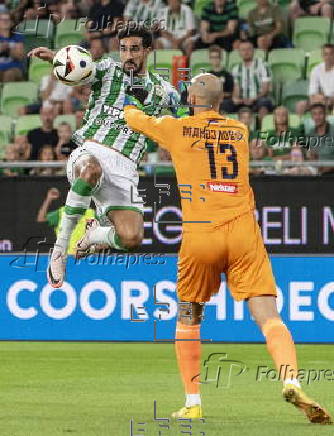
{"x":91,"y":172}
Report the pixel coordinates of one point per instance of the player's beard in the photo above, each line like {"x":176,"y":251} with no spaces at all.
{"x":135,"y":70}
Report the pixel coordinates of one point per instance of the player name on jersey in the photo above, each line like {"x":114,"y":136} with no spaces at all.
{"x":226,"y":135}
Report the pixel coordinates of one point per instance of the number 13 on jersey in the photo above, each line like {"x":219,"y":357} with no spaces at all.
{"x":216,"y":154}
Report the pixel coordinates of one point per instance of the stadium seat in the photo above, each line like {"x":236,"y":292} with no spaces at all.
{"x":17,"y":94}
{"x":163,"y":59}
{"x":293,"y":92}
{"x":268,"y":122}
{"x":286,"y":63}
{"x":245,"y":6}
{"x":37,"y":33}
{"x":70,"y":119}
{"x":311,"y":33}
{"x":38,"y":69}
{"x":199,"y":5}
{"x":6,"y":127}
{"x":69,"y":32}
{"x":26,"y":123}
{"x":315,"y":58}
{"x":234,"y":57}
{"x":200,"y":60}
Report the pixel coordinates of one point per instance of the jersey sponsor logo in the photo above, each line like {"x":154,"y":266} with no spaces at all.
{"x":230,"y":188}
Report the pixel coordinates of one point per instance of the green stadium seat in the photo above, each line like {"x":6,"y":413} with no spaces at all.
{"x":293,"y":92}
{"x":315,"y":58}
{"x":17,"y":94}
{"x":6,"y":129}
{"x":38,"y":69}
{"x":234,"y":57}
{"x":69,"y":32}
{"x":245,"y":6}
{"x":163,"y":59}
{"x":268,"y":122}
{"x":311,"y":33}
{"x":26,"y":123}
{"x":70,"y":119}
{"x":199,"y":5}
{"x":200,"y":60}
{"x":37,"y":33}
{"x":286,"y":63}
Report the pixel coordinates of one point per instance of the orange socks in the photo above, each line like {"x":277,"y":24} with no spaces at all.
{"x":281,"y":348}
{"x":188,"y":353}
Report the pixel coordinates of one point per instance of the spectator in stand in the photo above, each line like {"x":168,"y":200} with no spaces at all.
{"x":252,"y":81}
{"x":259,"y":151}
{"x":11,"y":155}
{"x":96,"y":48}
{"x":46,"y":154}
{"x":32,"y":9}
{"x":65,"y":145}
{"x":178,"y":21}
{"x":281,"y":139}
{"x":78,"y":99}
{"x":322,"y":78}
{"x":219,"y":22}
{"x":216,"y":55}
{"x":102,"y":22}
{"x":52,"y":93}
{"x":144,"y":12}
{"x":297,"y":156}
{"x":321,"y":137}
{"x":246,"y":116}
{"x":300,"y":8}
{"x":266,"y":26}
{"x":11,"y":51}
{"x":22,"y":147}
{"x":46,"y":134}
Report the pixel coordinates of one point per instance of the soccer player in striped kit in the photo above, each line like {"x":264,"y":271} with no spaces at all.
{"x":104,"y":166}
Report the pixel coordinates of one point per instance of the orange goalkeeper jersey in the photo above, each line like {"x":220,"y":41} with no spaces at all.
{"x":210,"y":156}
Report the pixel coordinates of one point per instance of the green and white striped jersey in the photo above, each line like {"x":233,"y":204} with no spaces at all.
{"x":104,"y":118}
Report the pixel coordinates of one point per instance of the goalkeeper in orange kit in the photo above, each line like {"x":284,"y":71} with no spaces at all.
{"x":220,"y":234}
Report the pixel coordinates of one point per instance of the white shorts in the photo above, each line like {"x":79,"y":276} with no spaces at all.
{"x":118,"y":185}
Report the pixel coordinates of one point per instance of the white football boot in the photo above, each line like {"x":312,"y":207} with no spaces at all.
{"x":57,"y":268}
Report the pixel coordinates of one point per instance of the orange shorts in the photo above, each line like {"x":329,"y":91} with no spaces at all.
{"x":236,"y":249}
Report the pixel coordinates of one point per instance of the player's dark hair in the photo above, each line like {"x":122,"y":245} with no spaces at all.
{"x":136,"y":30}
{"x":318,"y":105}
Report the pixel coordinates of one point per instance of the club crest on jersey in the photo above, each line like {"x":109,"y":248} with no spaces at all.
{"x":229,"y":188}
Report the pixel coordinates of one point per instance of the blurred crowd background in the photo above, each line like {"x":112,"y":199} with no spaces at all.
{"x":276,"y":60}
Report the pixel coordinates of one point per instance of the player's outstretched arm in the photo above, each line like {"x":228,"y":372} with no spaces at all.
{"x":43,"y":53}
{"x":158,"y":129}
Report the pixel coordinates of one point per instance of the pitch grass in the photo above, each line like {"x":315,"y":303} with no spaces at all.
{"x":86,"y":389}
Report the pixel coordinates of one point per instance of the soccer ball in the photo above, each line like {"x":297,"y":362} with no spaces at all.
{"x":73,"y":65}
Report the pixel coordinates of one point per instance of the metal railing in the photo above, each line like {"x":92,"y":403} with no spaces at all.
{"x":252,"y":164}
